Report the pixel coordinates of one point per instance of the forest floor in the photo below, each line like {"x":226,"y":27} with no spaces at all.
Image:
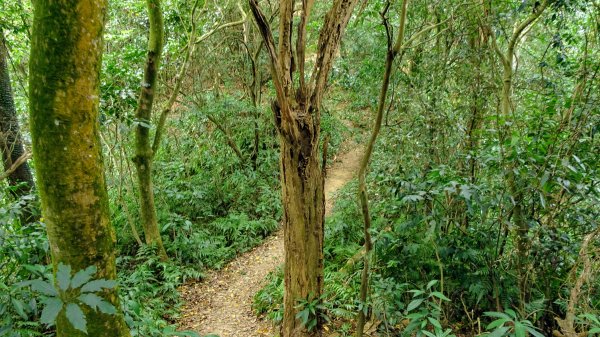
{"x":221,"y":304}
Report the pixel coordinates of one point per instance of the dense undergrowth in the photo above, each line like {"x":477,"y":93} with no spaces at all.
{"x":211,"y":208}
{"x":446,"y":251}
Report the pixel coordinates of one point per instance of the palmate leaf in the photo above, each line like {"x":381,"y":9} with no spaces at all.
{"x":44,"y":288}
{"x":106,"y":308}
{"x":76,"y":316}
{"x":83,"y":276}
{"x":52,"y":308}
{"x":91,"y":300}
{"x":63,"y":276}
{"x":98,"y":285}
{"x":97,"y":303}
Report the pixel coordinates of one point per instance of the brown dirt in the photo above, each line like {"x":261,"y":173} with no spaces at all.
{"x":222,"y":303}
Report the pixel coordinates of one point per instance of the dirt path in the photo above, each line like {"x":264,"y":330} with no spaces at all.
{"x":222,"y":303}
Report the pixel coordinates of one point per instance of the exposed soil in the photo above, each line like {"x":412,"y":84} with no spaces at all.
{"x":221,"y":304}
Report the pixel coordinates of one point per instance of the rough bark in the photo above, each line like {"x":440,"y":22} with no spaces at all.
{"x":11,"y":141}
{"x":143,"y":146}
{"x":392,"y":52}
{"x":64,"y":94}
{"x":297,"y":117}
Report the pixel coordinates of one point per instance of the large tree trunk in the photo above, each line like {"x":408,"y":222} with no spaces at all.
{"x":298,"y":119}
{"x":64,"y":98}
{"x":11,"y":142}
{"x":144,"y":153}
{"x":304,"y":211}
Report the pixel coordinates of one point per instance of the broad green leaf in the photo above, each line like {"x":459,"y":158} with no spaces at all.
{"x":98,"y":285}
{"x":106,"y":308}
{"x":440,"y":296}
{"x":435,"y":322}
{"x":83,"y":276}
{"x":416,"y":292}
{"x":497,"y":323}
{"x":22,"y":284}
{"x":19,"y":307}
{"x":51,"y":310}
{"x":44,"y":288}
{"x":496,"y":314}
{"x":414,"y":304}
{"x":303,"y":316}
{"x":519,"y":330}
{"x":432,"y":283}
{"x":415,"y":316}
{"x":91,"y":300}
{"x":5,"y":329}
{"x":535,"y":333}
{"x":500,"y":332}
{"x":76,"y":316}
{"x":63,"y":276}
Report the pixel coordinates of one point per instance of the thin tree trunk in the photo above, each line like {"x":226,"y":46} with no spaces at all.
{"x":64,"y":101}
{"x":392,"y":52}
{"x":11,"y":142}
{"x":514,"y":181}
{"x":143,"y":146}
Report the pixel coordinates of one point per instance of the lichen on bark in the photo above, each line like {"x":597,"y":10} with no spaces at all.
{"x":65,"y":64}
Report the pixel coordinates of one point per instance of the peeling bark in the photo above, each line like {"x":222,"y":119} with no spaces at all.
{"x":298,"y":120}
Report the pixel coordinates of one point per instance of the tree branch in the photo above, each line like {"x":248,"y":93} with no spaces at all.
{"x":336,"y":21}
{"x":20,"y":161}
{"x":265,"y":32}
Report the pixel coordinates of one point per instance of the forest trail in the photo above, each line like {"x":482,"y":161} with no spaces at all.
{"x":221,"y":304}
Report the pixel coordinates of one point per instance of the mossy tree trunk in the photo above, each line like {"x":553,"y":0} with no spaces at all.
{"x":144,"y":153}
{"x":298,"y":120}
{"x":65,"y":64}
{"x":11,"y":142}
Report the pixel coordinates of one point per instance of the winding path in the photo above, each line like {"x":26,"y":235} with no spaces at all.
{"x":221,"y":304}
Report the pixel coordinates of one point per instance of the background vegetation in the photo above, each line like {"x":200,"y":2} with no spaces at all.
{"x":448,"y":257}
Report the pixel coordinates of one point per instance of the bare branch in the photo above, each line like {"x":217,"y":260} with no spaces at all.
{"x":265,"y":31}
{"x":330,"y":37}
{"x":20,"y":161}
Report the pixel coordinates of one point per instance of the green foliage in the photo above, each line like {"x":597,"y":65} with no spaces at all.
{"x":72,"y":291}
{"x":149,"y":292}
{"x":591,"y":322}
{"x":269,"y":300}
{"x":310,"y":312}
{"x":508,"y":323}
{"x":424,"y":312}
